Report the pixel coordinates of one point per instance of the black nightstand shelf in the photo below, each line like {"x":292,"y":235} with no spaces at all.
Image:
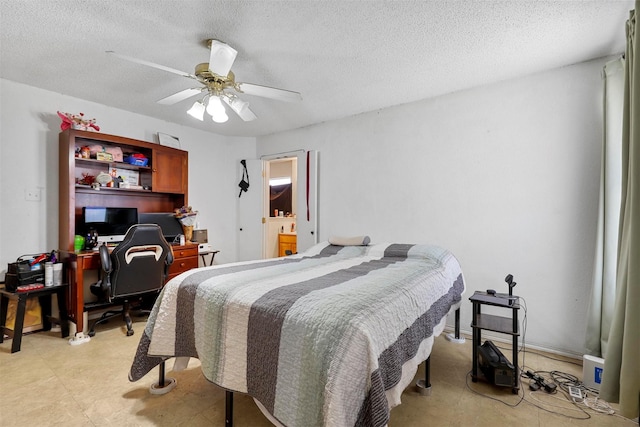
{"x":44,"y":296}
{"x":500,"y":324}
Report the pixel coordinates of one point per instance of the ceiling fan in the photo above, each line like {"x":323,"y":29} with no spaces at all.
{"x":218,"y":85}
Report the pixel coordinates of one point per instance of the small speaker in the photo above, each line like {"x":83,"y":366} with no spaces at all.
{"x":200,"y":236}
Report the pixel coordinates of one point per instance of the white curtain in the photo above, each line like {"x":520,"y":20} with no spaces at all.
{"x":621,"y":375}
{"x":603,"y":292}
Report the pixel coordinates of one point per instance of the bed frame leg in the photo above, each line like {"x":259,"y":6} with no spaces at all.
{"x":455,"y":338}
{"x":424,"y":386}
{"x":163,"y":385}
{"x":228,"y":409}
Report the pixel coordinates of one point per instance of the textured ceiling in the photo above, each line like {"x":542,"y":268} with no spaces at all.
{"x":345,"y":57}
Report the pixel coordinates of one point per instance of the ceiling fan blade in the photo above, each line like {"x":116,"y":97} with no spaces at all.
{"x":240,"y":107}
{"x":270,"y":92}
{"x":152,"y":65}
{"x":246,"y":114}
{"x":180,"y":96}
{"x":221,"y":58}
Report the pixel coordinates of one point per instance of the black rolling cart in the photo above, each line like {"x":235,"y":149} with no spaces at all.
{"x":506,"y":374}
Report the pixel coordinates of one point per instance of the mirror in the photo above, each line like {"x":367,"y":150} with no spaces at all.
{"x":281,"y":188}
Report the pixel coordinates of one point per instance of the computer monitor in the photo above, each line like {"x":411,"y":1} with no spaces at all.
{"x":111,"y":223}
{"x":170,"y":225}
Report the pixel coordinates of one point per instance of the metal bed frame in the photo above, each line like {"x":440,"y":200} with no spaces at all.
{"x":424,"y":386}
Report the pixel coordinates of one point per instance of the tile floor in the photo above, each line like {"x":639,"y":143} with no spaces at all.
{"x":50,"y":382}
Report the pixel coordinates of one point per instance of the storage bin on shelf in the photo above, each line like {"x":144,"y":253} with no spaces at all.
{"x":136,"y":160}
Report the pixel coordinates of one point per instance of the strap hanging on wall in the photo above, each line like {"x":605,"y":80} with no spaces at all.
{"x":244,"y":183}
{"x":308,"y":162}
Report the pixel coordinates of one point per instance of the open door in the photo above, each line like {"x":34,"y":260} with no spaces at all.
{"x":250,"y":210}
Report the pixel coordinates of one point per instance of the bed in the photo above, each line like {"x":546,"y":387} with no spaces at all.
{"x":328,"y":337}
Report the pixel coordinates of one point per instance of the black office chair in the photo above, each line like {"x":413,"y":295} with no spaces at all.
{"x":132,"y":273}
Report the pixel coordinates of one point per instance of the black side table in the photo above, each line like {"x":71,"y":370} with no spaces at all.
{"x":44,"y":296}
{"x":501,"y":324}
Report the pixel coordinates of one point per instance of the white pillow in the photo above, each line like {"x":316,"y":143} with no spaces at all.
{"x":350,"y":241}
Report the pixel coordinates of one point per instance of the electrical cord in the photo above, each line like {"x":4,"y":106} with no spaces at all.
{"x":562,"y":407}
{"x":512,"y":405}
{"x":521,"y":394}
{"x":565,"y":382}
{"x":598,"y":405}
{"x":523,"y":302}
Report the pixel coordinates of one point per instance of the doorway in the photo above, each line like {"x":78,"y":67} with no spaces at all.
{"x":257,"y":236}
{"x":281,"y":200}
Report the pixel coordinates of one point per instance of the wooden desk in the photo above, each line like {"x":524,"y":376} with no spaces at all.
{"x":76,"y":263}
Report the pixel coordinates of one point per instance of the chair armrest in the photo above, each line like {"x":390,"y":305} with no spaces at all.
{"x":105,"y":258}
{"x":167,"y":263}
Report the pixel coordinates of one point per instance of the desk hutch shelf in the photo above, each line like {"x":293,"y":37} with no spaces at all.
{"x":164,"y":178}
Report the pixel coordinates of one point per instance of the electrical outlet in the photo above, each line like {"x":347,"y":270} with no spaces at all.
{"x":32,"y":194}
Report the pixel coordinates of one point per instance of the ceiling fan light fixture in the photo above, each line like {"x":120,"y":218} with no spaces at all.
{"x":197,"y":110}
{"x":215,"y":105}
{"x":219,"y":117}
{"x":221,"y":58}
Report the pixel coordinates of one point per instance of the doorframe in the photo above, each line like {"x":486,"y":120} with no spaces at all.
{"x":267,"y":159}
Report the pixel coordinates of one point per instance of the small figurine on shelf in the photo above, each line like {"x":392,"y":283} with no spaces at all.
{"x":103,"y":178}
{"x":77,"y":121}
{"x":86,"y":179}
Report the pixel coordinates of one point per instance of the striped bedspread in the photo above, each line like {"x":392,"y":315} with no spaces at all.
{"x":329,"y":337}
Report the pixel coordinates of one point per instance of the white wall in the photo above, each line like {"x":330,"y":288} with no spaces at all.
{"x":29,"y":129}
{"x":505,"y":176}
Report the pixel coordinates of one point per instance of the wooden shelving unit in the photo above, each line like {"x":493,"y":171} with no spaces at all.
{"x":164,"y":178}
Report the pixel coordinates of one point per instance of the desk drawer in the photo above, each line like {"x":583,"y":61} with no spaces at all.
{"x":185,"y":252}
{"x":184,"y":258}
{"x":181,"y":265}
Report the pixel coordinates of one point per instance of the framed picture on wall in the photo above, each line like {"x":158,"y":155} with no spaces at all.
{"x":168,"y":140}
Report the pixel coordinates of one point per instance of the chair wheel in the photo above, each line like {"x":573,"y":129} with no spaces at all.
{"x":129,"y":333}
{"x":92,"y":333}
